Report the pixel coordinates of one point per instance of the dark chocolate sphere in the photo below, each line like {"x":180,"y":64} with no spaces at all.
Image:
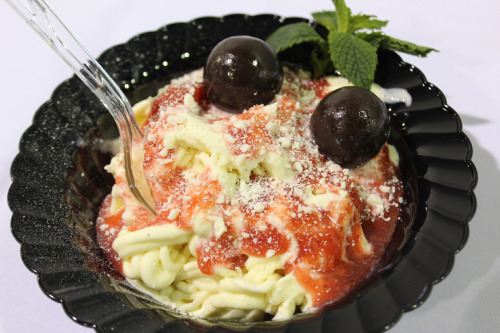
{"x":350,"y":126}
{"x":242,"y":71}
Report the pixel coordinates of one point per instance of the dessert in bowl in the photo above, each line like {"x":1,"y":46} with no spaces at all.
{"x":89,"y":287}
{"x":250,"y":217}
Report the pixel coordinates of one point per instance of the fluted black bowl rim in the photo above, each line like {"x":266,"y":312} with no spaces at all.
{"x":50,"y":196}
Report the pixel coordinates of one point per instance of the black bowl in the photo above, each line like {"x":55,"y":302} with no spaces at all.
{"x":59,"y":182}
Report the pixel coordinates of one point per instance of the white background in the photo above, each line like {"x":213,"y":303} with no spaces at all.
{"x":466,"y":69}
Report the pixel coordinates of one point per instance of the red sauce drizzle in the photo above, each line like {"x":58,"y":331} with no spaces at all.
{"x":108,"y":225}
{"x":323,"y":266}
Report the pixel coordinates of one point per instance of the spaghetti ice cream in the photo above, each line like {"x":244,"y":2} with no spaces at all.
{"x":251,"y":218}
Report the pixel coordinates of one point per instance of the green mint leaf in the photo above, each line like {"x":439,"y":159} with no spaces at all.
{"x":308,"y":46}
{"x":328,"y":19}
{"x":343,"y":15}
{"x":351,"y":47}
{"x":354,"y":58}
{"x":374,"y":38}
{"x":360,"y":21}
{"x":293,"y":34}
{"x":395,"y":44}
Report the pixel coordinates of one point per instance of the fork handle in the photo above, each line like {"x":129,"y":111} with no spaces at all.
{"x":45,"y":22}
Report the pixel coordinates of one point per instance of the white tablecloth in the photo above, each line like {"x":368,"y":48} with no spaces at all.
{"x":466,"y":69}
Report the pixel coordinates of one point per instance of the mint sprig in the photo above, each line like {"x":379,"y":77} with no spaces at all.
{"x":353,"y":57}
{"x":350,"y":47}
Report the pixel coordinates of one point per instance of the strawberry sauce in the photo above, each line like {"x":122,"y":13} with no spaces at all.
{"x":329,"y":248}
